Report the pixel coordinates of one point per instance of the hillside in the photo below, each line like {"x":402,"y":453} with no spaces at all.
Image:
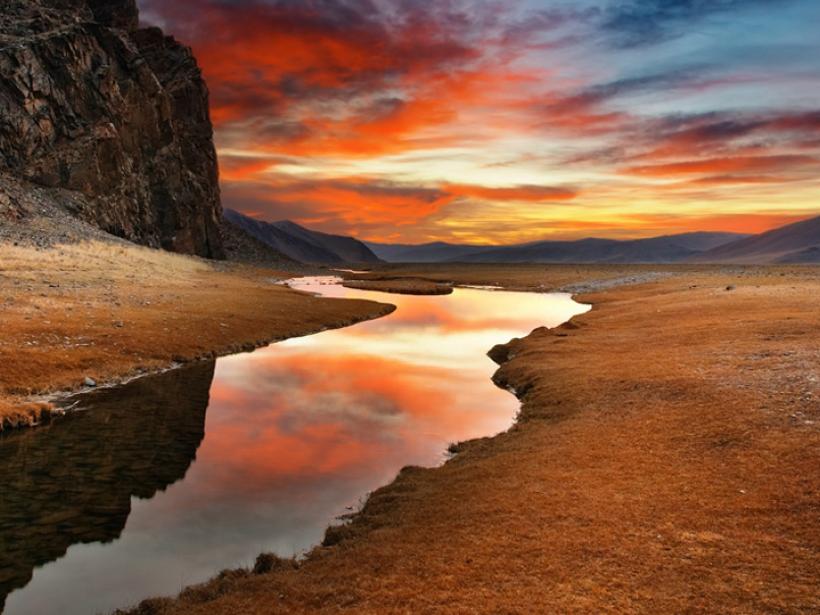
{"x":242,"y":247}
{"x":347,"y":249}
{"x":301,"y":244}
{"x":792,"y":243}
{"x":807,"y":256}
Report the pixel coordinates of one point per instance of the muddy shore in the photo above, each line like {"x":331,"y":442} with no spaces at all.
{"x":664,"y":461}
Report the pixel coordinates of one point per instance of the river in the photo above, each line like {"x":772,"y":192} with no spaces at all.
{"x":164,"y":481}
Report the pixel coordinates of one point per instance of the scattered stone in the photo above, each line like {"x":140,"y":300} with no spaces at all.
{"x":730,"y":287}
{"x":89,"y":382}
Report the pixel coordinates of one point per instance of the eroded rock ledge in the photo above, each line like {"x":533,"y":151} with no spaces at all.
{"x":91,"y":103}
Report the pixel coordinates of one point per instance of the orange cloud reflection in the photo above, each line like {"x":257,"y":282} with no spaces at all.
{"x":370,"y":398}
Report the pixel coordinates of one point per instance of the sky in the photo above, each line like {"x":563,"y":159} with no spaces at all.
{"x":510,"y":121}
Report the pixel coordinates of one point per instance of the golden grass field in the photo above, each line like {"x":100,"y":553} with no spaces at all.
{"x":108,"y":311}
{"x":665,"y":461}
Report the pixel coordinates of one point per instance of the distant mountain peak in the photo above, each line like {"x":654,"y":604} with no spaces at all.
{"x":777,"y":245}
{"x":303,"y":244}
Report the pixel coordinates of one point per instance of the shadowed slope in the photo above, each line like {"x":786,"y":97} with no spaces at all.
{"x":785,"y":244}
{"x":302,"y":244}
{"x":348,"y":249}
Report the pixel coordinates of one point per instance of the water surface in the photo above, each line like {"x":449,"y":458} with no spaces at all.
{"x":167,"y":480}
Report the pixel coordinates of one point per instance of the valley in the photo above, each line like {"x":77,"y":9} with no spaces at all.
{"x":394,"y":307}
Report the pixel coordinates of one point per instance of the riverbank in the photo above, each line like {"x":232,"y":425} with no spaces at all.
{"x":664,"y":461}
{"x":400,"y":286}
{"x":100,"y":312}
{"x":524,"y":277}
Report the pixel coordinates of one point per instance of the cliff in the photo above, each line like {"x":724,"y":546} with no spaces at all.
{"x":115,"y":114}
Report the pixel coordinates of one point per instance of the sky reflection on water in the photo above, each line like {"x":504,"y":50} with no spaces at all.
{"x":295,"y":434}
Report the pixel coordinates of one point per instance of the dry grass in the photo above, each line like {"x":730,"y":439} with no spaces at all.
{"x":511,"y":277}
{"x":665,"y":461}
{"x":108,"y":311}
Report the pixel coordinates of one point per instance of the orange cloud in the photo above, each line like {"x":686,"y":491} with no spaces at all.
{"x":357,"y":203}
{"x":727,"y":134}
{"x":751,"y":223}
{"x":232,"y":168}
{"x":349,"y":203}
{"x":730,"y":164}
{"x":289,"y":78}
{"x":342,"y":83}
{"x":528,"y":193}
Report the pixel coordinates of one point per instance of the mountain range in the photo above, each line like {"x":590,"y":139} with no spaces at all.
{"x":435,"y":252}
{"x":794,"y":243}
{"x":671,"y":248}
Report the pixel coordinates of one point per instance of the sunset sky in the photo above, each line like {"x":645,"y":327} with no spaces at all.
{"x":510,"y":121}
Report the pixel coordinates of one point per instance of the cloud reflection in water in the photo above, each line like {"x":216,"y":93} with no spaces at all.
{"x":297,"y":432}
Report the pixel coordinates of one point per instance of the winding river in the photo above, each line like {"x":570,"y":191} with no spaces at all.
{"x":164,"y":481}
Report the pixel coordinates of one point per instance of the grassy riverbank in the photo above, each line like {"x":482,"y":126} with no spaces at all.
{"x":109,"y":311}
{"x":664,"y":461}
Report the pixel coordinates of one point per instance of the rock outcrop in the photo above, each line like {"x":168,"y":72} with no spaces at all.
{"x":91,"y":103}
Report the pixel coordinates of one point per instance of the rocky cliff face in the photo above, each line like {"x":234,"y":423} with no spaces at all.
{"x":93,"y":104}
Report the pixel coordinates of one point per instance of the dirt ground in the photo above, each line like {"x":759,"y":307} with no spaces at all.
{"x":107,"y":311}
{"x":665,"y":461}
